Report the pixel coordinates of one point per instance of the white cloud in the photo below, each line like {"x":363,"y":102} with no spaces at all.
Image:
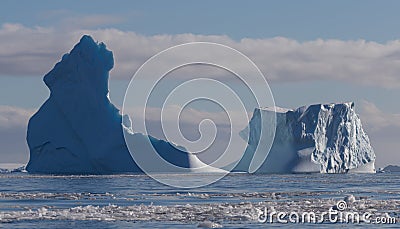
{"x":190,"y":130}
{"x":189,"y":116}
{"x":13,"y":124}
{"x":375,"y":119}
{"x":14,"y":117}
{"x":34,"y":51}
{"x":383,"y":130}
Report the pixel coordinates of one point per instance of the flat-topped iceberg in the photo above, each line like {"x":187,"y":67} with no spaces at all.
{"x":326,"y":138}
{"x":79,"y":131}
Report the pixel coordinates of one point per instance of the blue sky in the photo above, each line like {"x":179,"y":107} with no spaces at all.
{"x":300,"y":20}
{"x":353,"y":48}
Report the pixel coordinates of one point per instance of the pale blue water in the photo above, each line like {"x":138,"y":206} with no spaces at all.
{"x":137,"y":201}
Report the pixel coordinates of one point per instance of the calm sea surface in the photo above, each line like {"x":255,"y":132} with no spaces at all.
{"x":236,"y":201}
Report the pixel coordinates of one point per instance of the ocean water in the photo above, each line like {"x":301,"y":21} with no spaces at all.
{"x":236,"y":201}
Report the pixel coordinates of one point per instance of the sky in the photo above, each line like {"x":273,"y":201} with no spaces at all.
{"x":309,"y":51}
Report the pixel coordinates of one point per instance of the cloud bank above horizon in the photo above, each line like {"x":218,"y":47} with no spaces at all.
{"x":281,"y":59}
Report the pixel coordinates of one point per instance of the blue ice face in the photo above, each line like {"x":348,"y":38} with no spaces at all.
{"x":105,"y":56}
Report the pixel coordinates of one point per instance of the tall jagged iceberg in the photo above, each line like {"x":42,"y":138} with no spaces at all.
{"x":326,"y":138}
{"x":79,"y":131}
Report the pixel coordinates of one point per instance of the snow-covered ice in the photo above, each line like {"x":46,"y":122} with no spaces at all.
{"x":326,"y":138}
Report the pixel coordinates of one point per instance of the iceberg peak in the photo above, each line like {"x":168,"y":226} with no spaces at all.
{"x":88,"y":62}
{"x":79,"y":131}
